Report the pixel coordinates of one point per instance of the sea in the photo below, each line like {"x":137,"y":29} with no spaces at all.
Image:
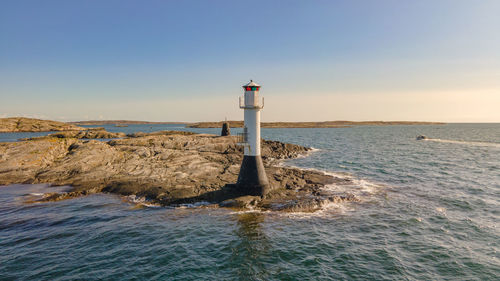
{"x":428,"y":210}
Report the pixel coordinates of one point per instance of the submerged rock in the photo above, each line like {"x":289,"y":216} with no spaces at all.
{"x":168,"y":168}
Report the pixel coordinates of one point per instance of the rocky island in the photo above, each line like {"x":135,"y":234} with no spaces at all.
{"x":167,"y":168}
{"x":22,"y":124}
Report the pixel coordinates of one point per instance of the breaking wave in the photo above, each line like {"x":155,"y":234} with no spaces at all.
{"x":141,"y":201}
{"x":350,"y":183}
{"x":307,"y":153}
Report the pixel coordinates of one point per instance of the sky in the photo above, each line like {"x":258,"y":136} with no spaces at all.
{"x":426,"y":60}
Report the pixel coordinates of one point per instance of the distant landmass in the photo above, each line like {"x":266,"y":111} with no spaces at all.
{"x":22,"y":124}
{"x":124,"y":122}
{"x":325,"y":124}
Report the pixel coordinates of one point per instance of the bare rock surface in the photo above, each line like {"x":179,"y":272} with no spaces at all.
{"x":21,"y":124}
{"x":160,"y":133}
{"x":167,"y":168}
{"x":92,"y":133}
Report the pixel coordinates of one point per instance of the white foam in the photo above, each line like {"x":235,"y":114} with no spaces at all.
{"x":340,"y":175}
{"x":472,"y":143}
{"x":36,"y":194}
{"x":327,"y":209}
{"x":150,"y":205}
{"x":142,"y":201}
{"x":360,"y":188}
{"x":441,"y":209}
{"x":250,"y":211}
{"x":367,"y":186}
{"x":193,"y":205}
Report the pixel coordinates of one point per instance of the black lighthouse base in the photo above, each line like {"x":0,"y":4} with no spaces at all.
{"x":252,"y":179}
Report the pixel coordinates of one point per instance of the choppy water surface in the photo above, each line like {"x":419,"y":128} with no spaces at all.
{"x":429,"y":210}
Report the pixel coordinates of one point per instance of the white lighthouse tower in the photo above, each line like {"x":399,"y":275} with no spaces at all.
{"x":252,"y":179}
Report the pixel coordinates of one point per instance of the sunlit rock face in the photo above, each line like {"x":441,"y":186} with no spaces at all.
{"x":21,"y":124}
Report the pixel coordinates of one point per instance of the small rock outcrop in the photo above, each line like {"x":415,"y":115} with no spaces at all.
{"x":92,"y":133}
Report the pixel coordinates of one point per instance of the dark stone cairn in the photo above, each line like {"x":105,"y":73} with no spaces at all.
{"x":225,"y":129}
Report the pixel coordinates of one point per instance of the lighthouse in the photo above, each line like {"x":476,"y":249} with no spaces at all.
{"x":252,"y":179}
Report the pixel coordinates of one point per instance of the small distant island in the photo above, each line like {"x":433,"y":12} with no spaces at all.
{"x":119,"y":122}
{"x":324,"y":124}
{"x":22,"y":124}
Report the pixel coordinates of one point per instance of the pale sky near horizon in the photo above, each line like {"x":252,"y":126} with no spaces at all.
{"x":428,"y":60}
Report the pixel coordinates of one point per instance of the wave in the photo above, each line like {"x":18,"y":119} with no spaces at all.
{"x":363,"y":190}
{"x":141,"y":201}
{"x":314,"y":149}
{"x":307,"y":153}
{"x":351,"y":183}
{"x":472,"y":143}
{"x":325,"y":211}
{"x":194,"y":205}
{"x":36,"y":194}
{"x":350,"y":180}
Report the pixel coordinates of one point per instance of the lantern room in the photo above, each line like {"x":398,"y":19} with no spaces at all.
{"x":252,"y":86}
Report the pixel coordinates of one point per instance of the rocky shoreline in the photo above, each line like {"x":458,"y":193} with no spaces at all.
{"x":167,"y":168}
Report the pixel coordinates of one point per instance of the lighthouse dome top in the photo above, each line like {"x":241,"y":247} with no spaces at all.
{"x":251,"y":86}
{"x":251,"y":83}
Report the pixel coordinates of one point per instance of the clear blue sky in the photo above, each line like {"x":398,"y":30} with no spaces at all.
{"x":186,"y":60}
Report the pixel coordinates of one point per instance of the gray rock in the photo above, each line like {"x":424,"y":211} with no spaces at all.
{"x":93,"y":133}
{"x":164,"y":168}
{"x":243,"y":202}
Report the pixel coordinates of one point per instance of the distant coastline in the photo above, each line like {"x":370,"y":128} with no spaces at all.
{"x":325,"y":124}
{"x":121,"y":122}
{"x":21,"y":124}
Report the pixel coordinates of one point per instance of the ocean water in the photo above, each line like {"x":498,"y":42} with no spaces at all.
{"x":429,"y":210}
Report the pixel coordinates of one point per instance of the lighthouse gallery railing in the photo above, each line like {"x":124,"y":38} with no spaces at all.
{"x":254,"y":106}
{"x":242,"y":138}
